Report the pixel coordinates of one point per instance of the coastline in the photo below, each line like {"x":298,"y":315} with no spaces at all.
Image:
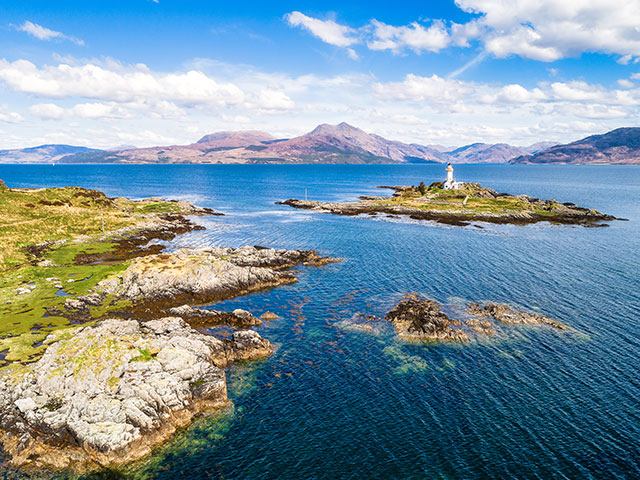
{"x":76,"y":393}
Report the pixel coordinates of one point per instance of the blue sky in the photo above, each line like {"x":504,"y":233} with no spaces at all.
{"x":143,"y":72}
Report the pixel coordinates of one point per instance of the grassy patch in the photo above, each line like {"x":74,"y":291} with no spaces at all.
{"x":466,"y":201}
{"x":145,"y":356}
{"x":157,"y":207}
{"x":32,"y":296}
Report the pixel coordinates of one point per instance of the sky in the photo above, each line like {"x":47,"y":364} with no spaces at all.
{"x":154,"y":72}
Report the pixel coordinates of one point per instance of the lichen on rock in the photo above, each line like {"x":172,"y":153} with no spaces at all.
{"x":107,"y":394}
{"x":206,"y":273}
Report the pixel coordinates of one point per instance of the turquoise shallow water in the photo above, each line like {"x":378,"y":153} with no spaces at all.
{"x":334,"y":403}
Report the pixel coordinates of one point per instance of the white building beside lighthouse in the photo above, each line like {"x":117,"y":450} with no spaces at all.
{"x":450,"y":183}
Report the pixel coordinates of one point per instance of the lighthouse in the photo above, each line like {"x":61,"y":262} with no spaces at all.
{"x":450,"y":183}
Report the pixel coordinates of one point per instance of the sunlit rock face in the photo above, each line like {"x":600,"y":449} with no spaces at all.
{"x":106,"y":395}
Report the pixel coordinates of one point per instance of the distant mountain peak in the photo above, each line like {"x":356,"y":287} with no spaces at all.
{"x":239,"y":138}
{"x":341,"y":128}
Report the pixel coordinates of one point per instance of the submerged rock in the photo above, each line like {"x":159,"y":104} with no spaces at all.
{"x":418,"y":319}
{"x":506,"y":314}
{"x":266,"y":316}
{"x":106,"y":395}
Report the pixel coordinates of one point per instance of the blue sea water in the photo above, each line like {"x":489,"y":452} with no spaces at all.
{"x":336,"y":403}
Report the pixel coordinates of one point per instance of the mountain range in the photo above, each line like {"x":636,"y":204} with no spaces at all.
{"x":620,"y":146}
{"x":342,"y":143}
{"x":41,"y":154}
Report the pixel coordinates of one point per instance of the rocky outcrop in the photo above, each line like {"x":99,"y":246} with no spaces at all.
{"x":237,"y":318}
{"x":417,"y":319}
{"x":206,"y":274}
{"x":106,"y":395}
{"x":420,"y":319}
{"x":506,"y":314}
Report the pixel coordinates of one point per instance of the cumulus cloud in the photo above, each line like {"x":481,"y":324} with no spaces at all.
{"x":7,"y":116}
{"x":376,"y":35}
{"x":415,"y":88}
{"x":548,"y":30}
{"x":543,"y":30}
{"x":112,"y":97}
{"x":272,"y":100}
{"x":517,"y":94}
{"x":326,"y":30}
{"x":572,"y":99}
{"x":94,"y":110}
{"x":47,"y":110}
{"x":43,"y":33}
{"x":414,"y":36}
{"x":92,"y":81}
{"x":594,"y":111}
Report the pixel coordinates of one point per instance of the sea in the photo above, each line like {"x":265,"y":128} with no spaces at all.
{"x":335,"y":402}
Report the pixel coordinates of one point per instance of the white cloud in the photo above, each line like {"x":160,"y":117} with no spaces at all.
{"x":135,"y":105}
{"x":415,"y":88}
{"x":547,"y":30}
{"x":518,"y":94}
{"x":9,"y":117}
{"x":326,"y":30}
{"x":48,"y":110}
{"x":414,"y":36}
{"x":43,"y":33}
{"x":109,"y":110}
{"x":543,"y":30}
{"x":576,"y":99}
{"x":92,"y":81}
{"x":595,"y":111}
{"x":575,"y":91}
{"x":376,"y":35}
{"x":273,"y":100}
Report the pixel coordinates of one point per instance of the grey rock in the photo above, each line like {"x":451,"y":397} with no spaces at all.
{"x":107,"y":394}
{"x":207,"y":273}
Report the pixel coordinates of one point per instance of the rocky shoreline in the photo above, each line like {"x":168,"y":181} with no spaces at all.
{"x":127,"y":366}
{"x":473,"y":203}
{"x":107,"y":394}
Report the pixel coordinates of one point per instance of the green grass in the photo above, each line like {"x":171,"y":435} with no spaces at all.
{"x":31,"y":217}
{"x":145,"y":356}
{"x":437,"y":199}
{"x":158,"y":207}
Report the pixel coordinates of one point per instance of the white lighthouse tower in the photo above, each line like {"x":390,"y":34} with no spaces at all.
{"x":450,"y":183}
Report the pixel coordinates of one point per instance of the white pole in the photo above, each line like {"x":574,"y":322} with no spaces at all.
{"x":305,"y":194}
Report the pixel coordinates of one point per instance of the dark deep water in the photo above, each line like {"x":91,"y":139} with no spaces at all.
{"x":333,"y":403}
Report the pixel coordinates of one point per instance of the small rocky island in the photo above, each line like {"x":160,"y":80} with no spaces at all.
{"x":456,"y":203}
{"x":100,"y":356}
{"x":423,"y":320}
